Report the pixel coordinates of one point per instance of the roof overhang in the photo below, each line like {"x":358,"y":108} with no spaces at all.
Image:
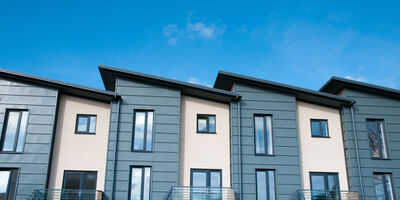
{"x":225,"y":81}
{"x":110,"y":74}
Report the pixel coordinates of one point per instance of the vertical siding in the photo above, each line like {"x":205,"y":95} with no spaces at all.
{"x":286,"y":160}
{"x":33,"y":162}
{"x":165,"y":156}
{"x":377,"y":107}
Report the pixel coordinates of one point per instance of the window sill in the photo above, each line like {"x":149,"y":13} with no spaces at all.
{"x":10,"y":152}
{"x":313,"y":136}
{"x":205,"y":132}
{"x":266,"y":155}
{"x":381,"y":159}
{"x":140,"y":151}
{"x":85,"y":133}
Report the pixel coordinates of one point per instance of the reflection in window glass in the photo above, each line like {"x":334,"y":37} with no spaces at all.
{"x":86,"y":124}
{"x":263,"y":134}
{"x":265,"y":182}
{"x":206,"y":123}
{"x":8,"y":178}
{"x":143,"y":131}
{"x":376,"y":138}
{"x":137,"y":186}
{"x":14,"y":131}
{"x":383,"y":186}
{"x":319,"y":128}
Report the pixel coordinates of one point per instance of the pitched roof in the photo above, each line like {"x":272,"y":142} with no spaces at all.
{"x":109,"y":75}
{"x":225,"y":81}
{"x":64,"y":87}
{"x":335,"y":84}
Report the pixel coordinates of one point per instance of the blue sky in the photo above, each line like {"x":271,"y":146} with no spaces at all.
{"x":302,"y":43}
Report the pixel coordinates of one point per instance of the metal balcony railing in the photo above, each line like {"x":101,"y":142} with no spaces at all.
{"x":201,"y":193}
{"x":325,"y":195}
{"x":66,"y":194}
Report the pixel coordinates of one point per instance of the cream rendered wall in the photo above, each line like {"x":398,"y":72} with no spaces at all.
{"x":320,"y":154}
{"x":204,"y":151}
{"x":80,"y":152}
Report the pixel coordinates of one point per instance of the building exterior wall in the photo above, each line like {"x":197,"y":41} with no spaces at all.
{"x":200,"y":150}
{"x":320,"y":154}
{"x":79,"y":152}
{"x":286,"y":161}
{"x":33,"y":162}
{"x":165,"y":156}
{"x":371,"y":106}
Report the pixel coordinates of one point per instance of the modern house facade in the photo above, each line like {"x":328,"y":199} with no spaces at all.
{"x":147,"y":137}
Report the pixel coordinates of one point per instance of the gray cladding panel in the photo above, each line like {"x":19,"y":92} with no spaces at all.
{"x":375,"y":107}
{"x":41,"y":104}
{"x":164,"y":159}
{"x":282,"y":107}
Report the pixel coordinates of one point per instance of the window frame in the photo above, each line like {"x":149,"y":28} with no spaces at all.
{"x":14,"y":173}
{"x":144,"y":131}
{"x":208,"y":176}
{"x":384,"y":185}
{"x":207,"y":116}
{"x":266,"y":171}
{"x":265,"y":135}
{"x":320,"y":128}
{"x":82,"y":180}
{"x":382,"y":136}
{"x":88,"y":116}
{"x":4,"y":130}
{"x":142,"y":167}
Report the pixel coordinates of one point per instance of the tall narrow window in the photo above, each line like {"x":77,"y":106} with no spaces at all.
{"x":319,"y":128}
{"x":265,"y":184}
{"x":14,"y":131}
{"x":85,"y":124}
{"x":324,"y":185}
{"x":383,"y":186}
{"x":377,"y":141}
{"x":8,"y":178}
{"x":263,"y":134}
{"x":140,"y":183}
{"x":143,"y":131}
{"x":205,"y":123}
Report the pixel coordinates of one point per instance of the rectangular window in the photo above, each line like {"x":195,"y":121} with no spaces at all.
{"x":8,"y":179}
{"x":206,"y":178}
{"x":263,"y":134}
{"x":14,"y":131}
{"x":324,"y":185}
{"x":140,"y":183}
{"x":205,"y":123}
{"x":319,"y":128}
{"x":85,"y":124}
{"x":377,"y":141}
{"x":143,"y":131}
{"x":265,"y":184}
{"x":79,"y":184}
{"x":383,"y":186}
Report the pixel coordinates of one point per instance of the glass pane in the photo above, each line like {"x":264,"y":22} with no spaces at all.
{"x":92,"y":125}
{"x":146,"y":187}
{"x":90,"y":181}
{"x":261,"y":185}
{"x":318,"y":187}
{"x":315,"y":128}
{"x":215,"y":179}
{"x":271,"y":180}
{"x":379,"y":187}
{"x":211,"y":123}
{"x":136,"y":183}
{"x":268,"y":122}
{"x":324,"y":125}
{"x":202,"y":124}
{"x":82,"y":124}
{"x":149,"y":139}
{"x":373,"y":137}
{"x":199,"y":179}
{"x":4,"y":179}
{"x":11,"y":131}
{"x":388,"y":180}
{"x":139,"y":131}
{"x":382,"y":137}
{"x":22,"y":131}
{"x":72,"y":181}
{"x":333,"y":182}
{"x":259,"y":134}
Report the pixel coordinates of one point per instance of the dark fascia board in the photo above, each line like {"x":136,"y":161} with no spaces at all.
{"x":63,"y":87}
{"x":337,"y":84}
{"x":225,"y":81}
{"x":109,"y":75}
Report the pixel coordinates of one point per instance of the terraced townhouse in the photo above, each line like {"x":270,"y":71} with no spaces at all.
{"x":147,"y":137}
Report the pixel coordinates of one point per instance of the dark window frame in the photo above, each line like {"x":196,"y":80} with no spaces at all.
{"x":266,"y":171}
{"x":320,"y":128}
{"x":12,"y":182}
{"x":4,"y":130}
{"x":325,"y":175}
{"x":83,"y":177}
{"x":385,"y":143}
{"x":265,"y":135}
{"x":88,"y":116}
{"x":144,"y":131}
{"x":384,"y":185}
{"x":142,"y":167}
{"x":207,"y":116}
{"x":208,"y":175}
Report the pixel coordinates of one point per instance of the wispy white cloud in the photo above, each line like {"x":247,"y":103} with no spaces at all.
{"x":195,"y":80}
{"x":358,"y":78}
